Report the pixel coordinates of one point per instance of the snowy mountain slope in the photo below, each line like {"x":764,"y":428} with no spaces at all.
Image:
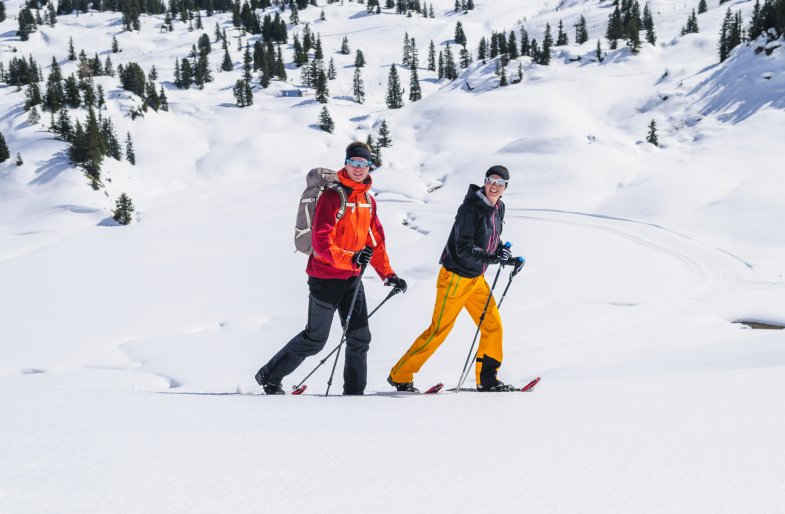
{"x":638,"y":261}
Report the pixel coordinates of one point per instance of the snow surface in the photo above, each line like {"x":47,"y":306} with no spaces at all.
{"x":127,"y":354}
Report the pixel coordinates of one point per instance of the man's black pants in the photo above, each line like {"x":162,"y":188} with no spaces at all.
{"x":327,"y":296}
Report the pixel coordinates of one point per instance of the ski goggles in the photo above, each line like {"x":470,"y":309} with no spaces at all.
{"x":496,"y":181}
{"x":358,"y":163}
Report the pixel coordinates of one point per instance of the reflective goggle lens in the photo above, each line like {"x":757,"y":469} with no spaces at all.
{"x":358,"y":163}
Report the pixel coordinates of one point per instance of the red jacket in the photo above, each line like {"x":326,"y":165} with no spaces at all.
{"x":335,"y":243}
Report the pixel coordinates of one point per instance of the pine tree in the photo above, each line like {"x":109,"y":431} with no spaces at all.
{"x":19,"y":160}
{"x":5,"y":153}
{"x":322,"y":92}
{"x":243,"y":93}
{"x":503,"y":77}
{"x":431,"y":57}
{"x":394,"y":98}
{"x":115,"y":46}
{"x":384,"y":134}
{"x":345,"y":46}
{"x":561,"y":36}
{"x":651,"y":137}
{"x":124,"y":209}
{"x":581,"y":33}
{"x":702,"y":7}
{"x":450,"y":71}
{"x":547,"y":43}
{"x":359,"y":59}
{"x":615,"y":29}
{"x":598,"y":52}
{"x":130,"y":156}
{"x":648,"y":25}
{"x":331,"y":73}
{"x":460,"y":36}
{"x":71,"y":50}
{"x":164,"y":100}
{"x":358,"y":87}
{"x":407,"y":51}
{"x":2,"y":15}
{"x":325,"y":121}
{"x":692,"y":25}
{"x":415,"y":91}
{"x":227,"y":64}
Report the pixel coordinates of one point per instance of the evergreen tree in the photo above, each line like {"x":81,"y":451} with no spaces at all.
{"x":503,"y":77}
{"x":345,"y":46}
{"x":415,"y":91}
{"x":331,"y":73}
{"x":34,"y":117}
{"x":615,"y":30}
{"x":394,"y":97}
{"x":482,"y":49}
{"x":465,"y":57}
{"x":71,"y":50}
{"x":648,"y":25}
{"x":124,"y":209}
{"x":561,"y":36}
{"x":115,"y":46}
{"x":359,"y":59}
{"x":581,"y":32}
{"x":547,"y":43}
{"x":322,"y":92}
{"x":358,"y":87}
{"x":525,"y":43}
{"x":32,"y":96}
{"x":325,"y":121}
{"x":384,"y":139}
{"x":651,"y":137}
{"x":72,"y":97}
{"x":164,"y":100}
{"x":64,"y":128}
{"x":431,"y":57}
{"x":460,"y":36}
{"x":407,"y":51}
{"x":702,"y":7}
{"x":19,"y":160}
{"x":598,"y":52}
{"x":130,"y":155}
{"x":5,"y":153}
{"x":2,"y":15}
{"x":227,"y":64}
{"x":450,"y":71}
{"x":243,"y":93}
{"x":692,"y":25}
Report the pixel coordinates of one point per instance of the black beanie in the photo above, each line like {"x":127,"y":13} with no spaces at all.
{"x":498,"y":170}
{"x":358,"y":150}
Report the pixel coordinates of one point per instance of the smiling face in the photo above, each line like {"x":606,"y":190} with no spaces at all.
{"x":357,"y":173}
{"x":494,"y":191}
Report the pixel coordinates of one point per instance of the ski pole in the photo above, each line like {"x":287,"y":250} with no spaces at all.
{"x":346,"y":326}
{"x":482,"y":318}
{"x":517,"y":269}
{"x":298,"y":386}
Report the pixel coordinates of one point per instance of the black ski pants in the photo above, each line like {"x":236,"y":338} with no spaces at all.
{"x":327,"y":296}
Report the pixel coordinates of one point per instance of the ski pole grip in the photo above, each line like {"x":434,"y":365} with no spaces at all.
{"x":508,"y":244}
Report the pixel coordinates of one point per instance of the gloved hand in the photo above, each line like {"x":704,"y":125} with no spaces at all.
{"x":518,"y":263}
{"x":363,"y":257}
{"x":399,"y":284}
{"x":502,"y":255}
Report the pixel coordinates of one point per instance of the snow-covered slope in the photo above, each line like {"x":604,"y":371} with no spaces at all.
{"x":639,"y":259}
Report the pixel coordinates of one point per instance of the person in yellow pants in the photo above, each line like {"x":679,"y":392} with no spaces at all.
{"x":473,"y":244}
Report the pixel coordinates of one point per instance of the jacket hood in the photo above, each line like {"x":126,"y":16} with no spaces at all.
{"x":476,"y":196}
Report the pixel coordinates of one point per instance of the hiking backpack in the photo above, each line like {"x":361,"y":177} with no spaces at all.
{"x":317,"y":180}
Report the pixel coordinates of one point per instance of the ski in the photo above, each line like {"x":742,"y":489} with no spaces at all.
{"x":435,"y":389}
{"x":299,"y":390}
{"x":528,"y":387}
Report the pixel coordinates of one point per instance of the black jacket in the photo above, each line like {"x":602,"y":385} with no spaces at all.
{"x":475,"y":235}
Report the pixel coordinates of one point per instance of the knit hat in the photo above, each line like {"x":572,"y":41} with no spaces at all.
{"x":359,"y":149}
{"x":498,"y":170}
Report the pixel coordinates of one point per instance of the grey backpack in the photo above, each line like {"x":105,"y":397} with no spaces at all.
{"x":317,"y":180}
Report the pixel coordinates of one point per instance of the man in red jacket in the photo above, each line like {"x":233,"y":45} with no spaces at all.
{"x":341,"y":247}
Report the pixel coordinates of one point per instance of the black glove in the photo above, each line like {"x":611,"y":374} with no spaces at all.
{"x":363,"y":257}
{"x":502,"y":255}
{"x":518,"y":263}
{"x":399,"y":284}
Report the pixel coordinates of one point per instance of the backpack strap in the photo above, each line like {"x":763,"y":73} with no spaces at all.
{"x":342,"y":194}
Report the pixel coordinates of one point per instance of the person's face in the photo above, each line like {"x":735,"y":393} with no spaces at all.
{"x":357,"y":168}
{"x":494,"y":190}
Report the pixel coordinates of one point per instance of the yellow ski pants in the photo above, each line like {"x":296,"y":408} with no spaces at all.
{"x":453,"y":293}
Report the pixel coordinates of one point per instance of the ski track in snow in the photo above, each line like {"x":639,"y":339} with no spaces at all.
{"x":710,"y":271}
